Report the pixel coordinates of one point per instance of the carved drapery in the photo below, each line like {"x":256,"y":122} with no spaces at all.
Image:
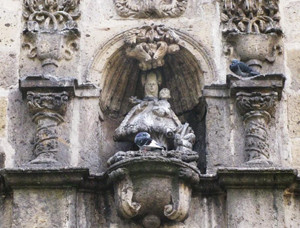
{"x":150,"y":44}
{"x":256,"y":109}
{"x":50,"y":32}
{"x":150,"y":8}
{"x":48,"y":110}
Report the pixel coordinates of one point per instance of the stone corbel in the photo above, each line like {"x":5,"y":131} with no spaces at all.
{"x":256,"y":98}
{"x":166,"y":203}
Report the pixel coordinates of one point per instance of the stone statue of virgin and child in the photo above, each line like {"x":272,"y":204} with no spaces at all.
{"x":154,"y":115}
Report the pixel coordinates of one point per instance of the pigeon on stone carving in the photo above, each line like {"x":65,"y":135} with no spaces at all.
{"x":242,"y":69}
{"x":144,"y":142}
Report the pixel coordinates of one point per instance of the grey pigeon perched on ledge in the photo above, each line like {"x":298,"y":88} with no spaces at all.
{"x":144,"y":142}
{"x":242,"y":69}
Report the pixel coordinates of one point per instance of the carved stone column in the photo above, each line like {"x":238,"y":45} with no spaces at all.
{"x":256,"y":98}
{"x":48,"y":110}
{"x":256,"y":109}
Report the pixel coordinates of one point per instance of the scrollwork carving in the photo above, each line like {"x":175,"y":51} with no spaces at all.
{"x":150,"y":44}
{"x":150,"y":8}
{"x":251,"y":16}
{"x":124,"y":193}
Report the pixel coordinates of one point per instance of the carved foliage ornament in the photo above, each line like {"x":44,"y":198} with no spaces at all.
{"x":150,"y":44}
{"x":50,"y":27}
{"x":251,"y":16}
{"x":150,"y":8}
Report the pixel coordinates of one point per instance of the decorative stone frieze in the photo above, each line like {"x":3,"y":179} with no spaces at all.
{"x":48,"y":110}
{"x":50,"y":31}
{"x":256,"y":98}
{"x":150,"y":44}
{"x":250,"y":16}
{"x":150,"y":8}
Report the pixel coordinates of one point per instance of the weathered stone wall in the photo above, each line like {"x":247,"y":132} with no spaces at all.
{"x":29,"y":198}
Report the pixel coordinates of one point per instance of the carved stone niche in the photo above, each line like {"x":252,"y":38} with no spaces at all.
{"x":150,"y":8}
{"x":47,"y":102}
{"x":251,"y":30}
{"x":50,"y":31}
{"x":256,"y":98}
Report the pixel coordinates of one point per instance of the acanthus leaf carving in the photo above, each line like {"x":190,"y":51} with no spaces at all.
{"x":150,"y":44}
{"x":251,"y":16}
{"x":150,"y":8}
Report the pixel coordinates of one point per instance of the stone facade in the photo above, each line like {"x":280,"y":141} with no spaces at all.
{"x":80,"y":79}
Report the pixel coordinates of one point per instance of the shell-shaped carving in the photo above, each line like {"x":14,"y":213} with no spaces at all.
{"x":180,"y":73}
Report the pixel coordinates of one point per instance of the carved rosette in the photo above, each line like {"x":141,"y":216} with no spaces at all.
{"x":48,"y":110}
{"x":150,"y":44}
{"x":150,"y":8}
{"x":50,"y":31}
{"x":256,"y":109}
{"x":156,"y":190}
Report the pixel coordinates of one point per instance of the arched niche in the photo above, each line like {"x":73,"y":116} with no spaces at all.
{"x":185,"y":73}
{"x":118,"y":76}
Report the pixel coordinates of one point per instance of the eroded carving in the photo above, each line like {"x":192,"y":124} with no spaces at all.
{"x":256,"y":109}
{"x":48,"y":110}
{"x":124,"y":193}
{"x":251,"y":16}
{"x":150,"y":8}
{"x":150,"y":44}
{"x":50,"y":30}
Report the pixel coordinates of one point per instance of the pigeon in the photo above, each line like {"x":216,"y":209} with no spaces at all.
{"x":144,"y":142}
{"x":242,"y":69}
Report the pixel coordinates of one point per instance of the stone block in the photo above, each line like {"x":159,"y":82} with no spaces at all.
{"x":3,"y":111}
{"x":296,"y":153}
{"x":47,"y":208}
{"x":255,"y":208}
{"x":293,"y":59}
{"x":293,"y":110}
{"x":8,"y":67}
{"x":291,"y":17}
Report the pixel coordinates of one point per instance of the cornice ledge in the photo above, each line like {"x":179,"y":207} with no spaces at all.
{"x":43,"y":178}
{"x":256,"y":178}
